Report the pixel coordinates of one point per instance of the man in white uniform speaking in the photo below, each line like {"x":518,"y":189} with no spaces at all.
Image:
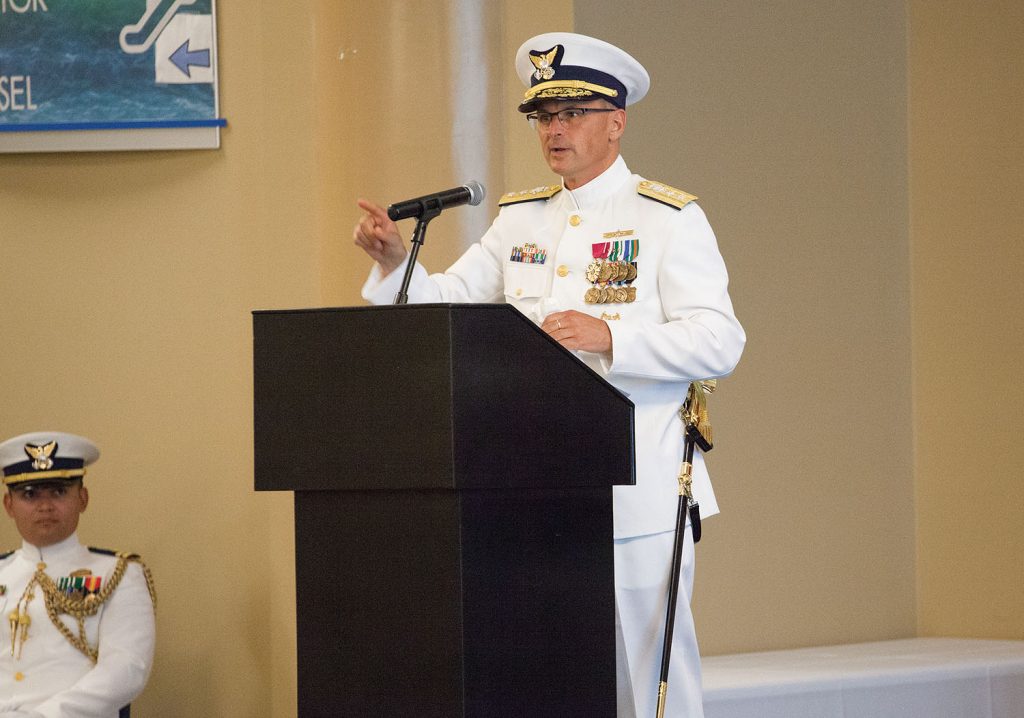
{"x":79,"y":632}
{"x":626,"y":273}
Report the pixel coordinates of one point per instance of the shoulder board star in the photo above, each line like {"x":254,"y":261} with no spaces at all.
{"x":530,"y":195}
{"x":666,"y":195}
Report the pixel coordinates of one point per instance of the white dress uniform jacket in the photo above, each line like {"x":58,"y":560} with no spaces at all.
{"x":54,"y":679}
{"x":680,"y":328}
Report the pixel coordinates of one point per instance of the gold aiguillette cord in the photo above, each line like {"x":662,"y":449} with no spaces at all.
{"x":19,"y":618}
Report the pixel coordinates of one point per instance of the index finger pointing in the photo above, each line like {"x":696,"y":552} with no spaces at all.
{"x":378,"y":212}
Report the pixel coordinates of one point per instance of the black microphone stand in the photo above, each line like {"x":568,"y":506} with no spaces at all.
{"x":430,"y":209}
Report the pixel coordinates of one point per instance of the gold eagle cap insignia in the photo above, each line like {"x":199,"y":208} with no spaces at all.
{"x":544,"y":62}
{"x":40,"y":455}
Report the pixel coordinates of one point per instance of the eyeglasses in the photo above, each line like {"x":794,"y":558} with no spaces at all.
{"x":568,"y":117}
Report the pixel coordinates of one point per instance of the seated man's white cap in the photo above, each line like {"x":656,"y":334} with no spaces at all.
{"x":46,"y":456}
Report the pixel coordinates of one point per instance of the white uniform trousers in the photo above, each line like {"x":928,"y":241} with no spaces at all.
{"x":642,"y":567}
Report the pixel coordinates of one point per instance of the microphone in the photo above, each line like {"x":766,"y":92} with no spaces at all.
{"x":469,"y":193}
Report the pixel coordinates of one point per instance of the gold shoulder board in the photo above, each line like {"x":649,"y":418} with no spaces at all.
{"x":666,"y":195}
{"x":530,"y":195}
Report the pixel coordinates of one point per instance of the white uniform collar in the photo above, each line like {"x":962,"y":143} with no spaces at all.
{"x":602,"y":186}
{"x":65,"y":550}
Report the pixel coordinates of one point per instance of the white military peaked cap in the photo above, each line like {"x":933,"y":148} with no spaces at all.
{"x":46,"y":456}
{"x":565,"y":65}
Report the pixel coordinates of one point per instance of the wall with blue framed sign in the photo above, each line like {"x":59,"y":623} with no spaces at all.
{"x":108,"y":75}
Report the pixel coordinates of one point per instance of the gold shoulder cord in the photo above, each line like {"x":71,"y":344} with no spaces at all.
{"x":58,"y":603}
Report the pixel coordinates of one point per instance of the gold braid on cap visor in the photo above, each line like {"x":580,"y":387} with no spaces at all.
{"x":37,"y":475}
{"x":568,"y":88}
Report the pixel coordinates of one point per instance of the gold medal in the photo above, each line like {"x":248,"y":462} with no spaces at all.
{"x":631,"y":273}
{"x":594,"y":270}
{"x":623,"y":271}
{"x":620,"y":295}
{"x":607,"y":271}
{"x":630,"y":295}
{"x":591,"y":296}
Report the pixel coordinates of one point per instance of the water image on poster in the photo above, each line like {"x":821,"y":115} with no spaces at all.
{"x":108,"y":74}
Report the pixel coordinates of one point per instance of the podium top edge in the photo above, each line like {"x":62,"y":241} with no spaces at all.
{"x":378,"y":307}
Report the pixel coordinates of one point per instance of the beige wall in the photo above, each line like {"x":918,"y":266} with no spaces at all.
{"x":128,"y":279}
{"x":127,"y":285}
{"x":789,"y":121}
{"x":967,"y":168}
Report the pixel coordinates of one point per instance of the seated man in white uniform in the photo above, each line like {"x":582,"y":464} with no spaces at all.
{"x":80,"y":629}
{"x":625,"y":272}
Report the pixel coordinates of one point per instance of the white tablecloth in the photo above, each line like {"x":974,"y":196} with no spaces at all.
{"x":913,"y":678}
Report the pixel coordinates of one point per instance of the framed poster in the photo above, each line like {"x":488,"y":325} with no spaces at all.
{"x":108,"y":75}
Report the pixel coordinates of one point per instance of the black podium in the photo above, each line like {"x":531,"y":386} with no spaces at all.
{"x":452,"y":469}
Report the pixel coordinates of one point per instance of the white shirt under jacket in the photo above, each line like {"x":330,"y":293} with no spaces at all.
{"x":681,"y":327}
{"x":58,"y":680}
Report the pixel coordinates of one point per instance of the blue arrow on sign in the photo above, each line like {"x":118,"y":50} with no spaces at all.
{"x":183,"y":58}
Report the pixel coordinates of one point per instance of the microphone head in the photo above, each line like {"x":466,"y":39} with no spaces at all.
{"x":476,"y":192}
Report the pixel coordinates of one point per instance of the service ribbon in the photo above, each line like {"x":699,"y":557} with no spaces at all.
{"x":631,"y":248}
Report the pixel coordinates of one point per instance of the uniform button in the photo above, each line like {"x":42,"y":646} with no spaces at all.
{"x":19,"y":676}
{"x":563,"y":270}
{"x":519,"y":292}
{"x":575,"y":220}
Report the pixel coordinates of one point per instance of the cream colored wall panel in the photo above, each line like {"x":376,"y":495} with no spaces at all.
{"x":967,"y":165}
